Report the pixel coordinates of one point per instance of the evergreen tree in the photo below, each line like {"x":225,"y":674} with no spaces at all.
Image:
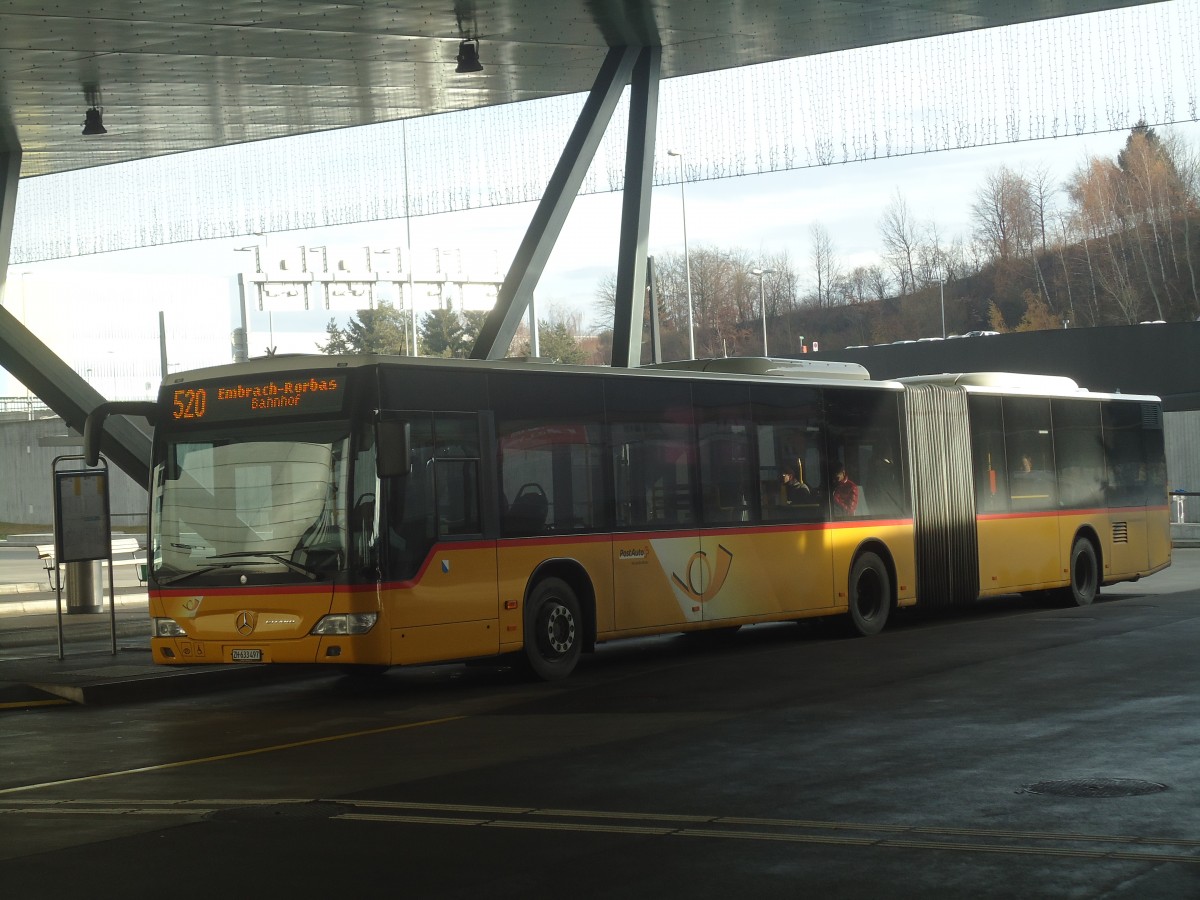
{"x":336,"y":345}
{"x":443,"y":334}
{"x":557,"y":343}
{"x":472,"y":320}
{"x":378,"y":330}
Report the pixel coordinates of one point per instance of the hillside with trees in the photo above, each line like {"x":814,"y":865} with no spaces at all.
{"x":1118,"y":243}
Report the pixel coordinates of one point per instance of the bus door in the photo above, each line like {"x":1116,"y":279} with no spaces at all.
{"x":1020,"y":547}
{"x":741,"y":570}
{"x":788,"y":565}
{"x":657,"y":577}
{"x":440,"y":573}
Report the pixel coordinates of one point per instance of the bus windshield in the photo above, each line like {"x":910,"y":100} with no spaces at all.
{"x":259,"y":504}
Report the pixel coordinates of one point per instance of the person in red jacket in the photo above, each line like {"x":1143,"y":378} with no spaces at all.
{"x":845,"y":493}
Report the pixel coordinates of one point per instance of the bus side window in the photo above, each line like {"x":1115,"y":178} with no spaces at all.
{"x":653,"y":474}
{"x":789,"y":474}
{"x":1079,"y":453}
{"x":988,"y":460}
{"x":551,"y":464}
{"x":727,"y":493}
{"x":1030,"y":450}
{"x":1133,"y":442}
{"x":652,"y":443}
{"x":789,"y":427}
{"x":551,"y":478}
{"x":867,"y":471}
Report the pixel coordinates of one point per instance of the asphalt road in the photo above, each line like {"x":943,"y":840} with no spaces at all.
{"x":1013,"y":750}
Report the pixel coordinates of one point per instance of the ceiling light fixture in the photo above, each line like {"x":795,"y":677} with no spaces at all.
{"x":468,"y":57}
{"x":93,"y":119}
{"x":93,"y":122}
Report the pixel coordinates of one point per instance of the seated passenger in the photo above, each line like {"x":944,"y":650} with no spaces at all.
{"x":845,"y":493}
{"x":794,"y":488}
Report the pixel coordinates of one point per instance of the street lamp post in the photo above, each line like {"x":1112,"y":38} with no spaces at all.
{"x":687,"y":261}
{"x":942,"y":296}
{"x":761,"y":274}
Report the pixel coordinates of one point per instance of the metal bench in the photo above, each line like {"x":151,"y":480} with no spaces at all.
{"x":120,"y":547}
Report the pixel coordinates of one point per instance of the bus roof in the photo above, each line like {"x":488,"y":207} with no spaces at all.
{"x":1017,"y":382}
{"x":778,"y":368}
{"x":813,"y":371}
{"x":818,"y":371}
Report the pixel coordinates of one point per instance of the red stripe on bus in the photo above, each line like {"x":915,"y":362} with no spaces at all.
{"x":1041,"y":514}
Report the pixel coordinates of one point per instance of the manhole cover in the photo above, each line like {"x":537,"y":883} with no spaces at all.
{"x":1096,"y":787}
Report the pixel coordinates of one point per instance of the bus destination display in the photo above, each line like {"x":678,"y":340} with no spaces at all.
{"x":260,"y":398}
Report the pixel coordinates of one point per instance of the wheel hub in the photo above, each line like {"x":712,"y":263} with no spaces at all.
{"x":560,"y":629}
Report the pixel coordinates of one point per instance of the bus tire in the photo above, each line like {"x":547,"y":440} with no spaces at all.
{"x":870,"y":595}
{"x":1085,"y":575}
{"x":553,"y":630}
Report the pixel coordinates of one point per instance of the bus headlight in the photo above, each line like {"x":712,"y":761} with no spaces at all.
{"x":346,"y":623}
{"x":168,"y":628}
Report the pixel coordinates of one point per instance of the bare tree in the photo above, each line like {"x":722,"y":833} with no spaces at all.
{"x":899,"y":232}
{"x":1003,"y":214}
{"x":1187,"y":165}
{"x":932,"y":263}
{"x":1103,"y":216}
{"x":878,"y":282}
{"x":826,"y":269}
{"x":858,"y":285}
{"x":1041,"y":197}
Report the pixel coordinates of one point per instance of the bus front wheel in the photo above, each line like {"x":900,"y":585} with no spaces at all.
{"x":1085,"y":575}
{"x":870,"y":591}
{"x":554,"y":630}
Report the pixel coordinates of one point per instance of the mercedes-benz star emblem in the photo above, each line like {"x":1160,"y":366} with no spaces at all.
{"x":245,"y":622}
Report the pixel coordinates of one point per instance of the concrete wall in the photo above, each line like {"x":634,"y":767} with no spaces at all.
{"x":27,"y":481}
{"x":1183,"y":460}
{"x":1130,"y":359}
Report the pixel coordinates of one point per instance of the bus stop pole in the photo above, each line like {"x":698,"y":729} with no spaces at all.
{"x":112,"y":603}
{"x":58,"y":579}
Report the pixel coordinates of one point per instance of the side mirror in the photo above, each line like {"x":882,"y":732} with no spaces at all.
{"x":93,"y":426}
{"x":393,"y":444}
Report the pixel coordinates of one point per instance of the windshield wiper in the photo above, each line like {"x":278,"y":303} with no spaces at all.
{"x":310,"y":574}
{"x":172,"y":579}
{"x":298,"y":568}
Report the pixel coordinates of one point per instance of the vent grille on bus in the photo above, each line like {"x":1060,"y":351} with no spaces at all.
{"x":943,"y":495}
{"x":1152,"y":416}
{"x":1120,"y":532}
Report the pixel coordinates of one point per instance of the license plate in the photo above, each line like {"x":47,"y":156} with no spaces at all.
{"x":246,"y":655}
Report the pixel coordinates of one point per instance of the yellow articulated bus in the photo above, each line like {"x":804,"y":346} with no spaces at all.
{"x":373,"y":511}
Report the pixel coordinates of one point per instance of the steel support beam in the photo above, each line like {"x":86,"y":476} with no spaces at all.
{"x":10,"y":174}
{"x":40,"y":370}
{"x":61,"y":389}
{"x":530,"y":260}
{"x":629,"y":309}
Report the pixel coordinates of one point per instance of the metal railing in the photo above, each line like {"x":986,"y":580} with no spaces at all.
{"x":23,"y":408}
{"x":1179,"y":504}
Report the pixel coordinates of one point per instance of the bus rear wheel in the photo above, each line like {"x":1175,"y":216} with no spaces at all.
{"x":870,"y":591}
{"x":1085,"y":575}
{"x":553,"y":630}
